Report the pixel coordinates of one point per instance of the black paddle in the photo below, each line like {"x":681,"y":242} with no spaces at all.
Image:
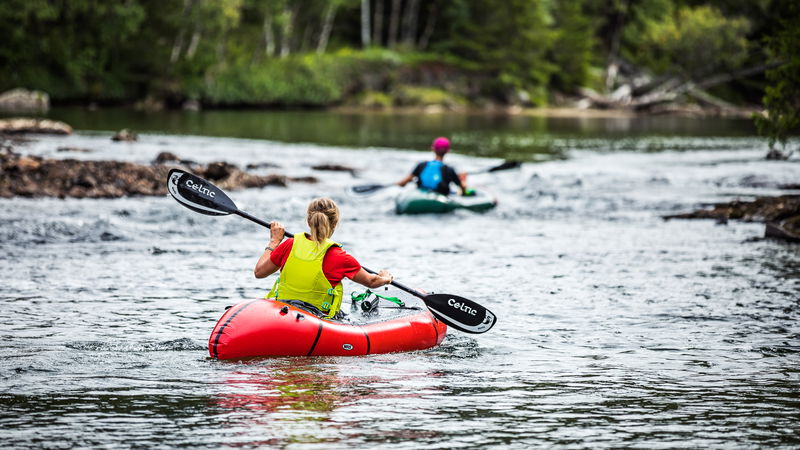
{"x":201,"y":196}
{"x":370,"y":188}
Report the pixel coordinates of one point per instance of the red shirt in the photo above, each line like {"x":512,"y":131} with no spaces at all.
{"x":336,"y":264}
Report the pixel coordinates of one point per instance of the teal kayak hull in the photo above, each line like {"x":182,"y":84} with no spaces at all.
{"x":417,"y":201}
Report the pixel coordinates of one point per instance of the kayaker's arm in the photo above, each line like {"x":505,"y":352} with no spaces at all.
{"x":462,"y":183}
{"x":405,"y":180}
{"x":265,"y":267}
{"x":372,"y":280}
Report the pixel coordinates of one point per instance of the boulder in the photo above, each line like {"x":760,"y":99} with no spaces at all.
{"x":24,"y":101}
{"x":125,"y":135}
{"x":28,"y":125}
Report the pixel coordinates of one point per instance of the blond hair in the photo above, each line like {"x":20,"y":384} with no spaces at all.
{"x":322,"y":218}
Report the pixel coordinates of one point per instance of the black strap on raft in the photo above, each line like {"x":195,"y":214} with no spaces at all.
{"x":308,"y":307}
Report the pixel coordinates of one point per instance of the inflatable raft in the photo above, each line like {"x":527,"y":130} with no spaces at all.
{"x":267,"y":327}
{"x":418,"y":201}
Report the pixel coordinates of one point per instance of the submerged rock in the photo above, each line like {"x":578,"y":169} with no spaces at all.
{"x":34,"y":176}
{"x":28,"y":125}
{"x":334,"y":168}
{"x":125,"y":135}
{"x":165,"y":157}
{"x":73,"y":150}
{"x":262,"y":165}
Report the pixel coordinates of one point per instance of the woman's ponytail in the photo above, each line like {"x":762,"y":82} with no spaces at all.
{"x":323,"y":216}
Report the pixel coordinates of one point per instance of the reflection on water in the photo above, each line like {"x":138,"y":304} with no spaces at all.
{"x":509,"y":136}
{"x":306,"y":400}
{"x":299,"y":384}
{"x":615,"y":328}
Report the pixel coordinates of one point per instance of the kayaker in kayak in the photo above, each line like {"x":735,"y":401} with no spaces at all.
{"x":311,"y":265}
{"x":435,"y":175}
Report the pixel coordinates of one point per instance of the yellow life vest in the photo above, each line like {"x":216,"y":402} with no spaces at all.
{"x":301,"y":278}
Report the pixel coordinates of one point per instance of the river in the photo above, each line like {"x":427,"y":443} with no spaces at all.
{"x":615,"y":328}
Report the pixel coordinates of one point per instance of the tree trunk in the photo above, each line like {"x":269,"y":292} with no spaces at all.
{"x":305,"y":41}
{"x":612,"y":68}
{"x":365,"y":23}
{"x":394,"y":23}
{"x":725,"y":77}
{"x":195,"y":42}
{"x":430,"y":25}
{"x":410,"y":22}
{"x":377,"y":23}
{"x":286,"y":35}
{"x":269,"y":35}
{"x":177,"y":46}
{"x":708,"y":99}
{"x":221,"y":43}
{"x":327,"y":27}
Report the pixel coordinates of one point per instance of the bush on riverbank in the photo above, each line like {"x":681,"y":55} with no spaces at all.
{"x":372,"y":78}
{"x":301,"y":80}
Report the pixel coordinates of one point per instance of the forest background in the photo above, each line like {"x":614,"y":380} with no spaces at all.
{"x":637,"y":54}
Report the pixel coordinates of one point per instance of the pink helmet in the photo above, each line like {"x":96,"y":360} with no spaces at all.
{"x":440,"y":145}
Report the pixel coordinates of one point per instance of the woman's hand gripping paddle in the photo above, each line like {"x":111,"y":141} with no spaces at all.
{"x":201,"y":196}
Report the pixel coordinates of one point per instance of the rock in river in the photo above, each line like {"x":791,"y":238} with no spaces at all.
{"x":34,"y":176}
{"x":28,"y":125}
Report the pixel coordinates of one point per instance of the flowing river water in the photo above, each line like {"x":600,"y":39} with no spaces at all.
{"x":615,"y":327}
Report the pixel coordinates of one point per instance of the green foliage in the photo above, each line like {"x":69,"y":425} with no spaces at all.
{"x":423,"y":96}
{"x":290,"y":81}
{"x":69,"y":48}
{"x":573,"y":50}
{"x":264,"y":52}
{"x":373,"y":99}
{"x":782,"y":99}
{"x":303,"y":80}
{"x":692,"y":42}
{"x":508,"y":39}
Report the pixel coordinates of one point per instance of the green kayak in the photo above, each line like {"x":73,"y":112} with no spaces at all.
{"x":418,"y":201}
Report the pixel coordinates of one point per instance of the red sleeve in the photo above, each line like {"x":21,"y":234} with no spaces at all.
{"x":281,"y":253}
{"x":338,"y":264}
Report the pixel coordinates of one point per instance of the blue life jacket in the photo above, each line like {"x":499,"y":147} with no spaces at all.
{"x":431,"y":176}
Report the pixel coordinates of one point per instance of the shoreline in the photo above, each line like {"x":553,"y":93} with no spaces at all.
{"x":566,"y":112}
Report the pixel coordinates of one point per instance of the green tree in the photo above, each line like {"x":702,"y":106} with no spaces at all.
{"x":782,"y":98}
{"x":69,"y":48}
{"x":691,"y":42}
{"x":574,"y":45}
{"x":506,"y":39}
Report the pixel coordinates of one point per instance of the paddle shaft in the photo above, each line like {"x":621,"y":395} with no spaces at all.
{"x":369,"y":188}
{"x":396,"y":284}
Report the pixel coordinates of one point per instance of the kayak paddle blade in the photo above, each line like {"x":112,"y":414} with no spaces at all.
{"x":369,"y":188}
{"x":505,"y":166}
{"x":460,"y":313}
{"x":198,"y":194}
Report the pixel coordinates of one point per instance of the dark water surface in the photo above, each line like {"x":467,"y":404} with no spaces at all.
{"x":616,"y":328}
